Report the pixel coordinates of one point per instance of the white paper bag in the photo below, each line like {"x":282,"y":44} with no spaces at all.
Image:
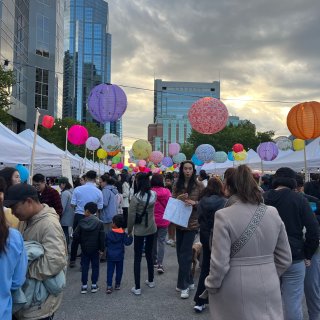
{"x":177,"y":212}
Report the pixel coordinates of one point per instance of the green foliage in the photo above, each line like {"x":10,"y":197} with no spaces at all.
{"x":188,"y":150}
{"x":245,"y":133}
{"x":7,"y":80}
{"x":57,"y":135}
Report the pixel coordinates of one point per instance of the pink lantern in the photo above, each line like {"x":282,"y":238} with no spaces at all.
{"x":238,"y":147}
{"x":120,"y":165}
{"x":142,"y":163}
{"x":174,"y":148}
{"x":135,"y":169}
{"x":267,"y":151}
{"x":156,"y":170}
{"x":48,"y":121}
{"x":208,"y":115}
{"x":78,"y":135}
{"x":109,"y":163}
{"x":156,"y":156}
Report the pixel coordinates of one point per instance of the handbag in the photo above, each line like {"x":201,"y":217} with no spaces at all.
{"x":138,"y":219}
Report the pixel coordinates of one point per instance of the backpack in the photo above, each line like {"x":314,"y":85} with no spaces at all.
{"x":139,"y":217}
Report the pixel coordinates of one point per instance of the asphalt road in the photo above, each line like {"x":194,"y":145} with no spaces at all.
{"x":161,"y":302}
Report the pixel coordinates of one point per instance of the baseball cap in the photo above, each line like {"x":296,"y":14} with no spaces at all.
{"x":19,"y":192}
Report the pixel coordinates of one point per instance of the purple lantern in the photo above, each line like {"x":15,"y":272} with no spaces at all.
{"x":167,"y":162}
{"x":107,"y":103}
{"x":267,"y":151}
{"x":174,"y":148}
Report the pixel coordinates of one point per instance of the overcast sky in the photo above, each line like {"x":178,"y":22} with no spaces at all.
{"x":261,"y":49}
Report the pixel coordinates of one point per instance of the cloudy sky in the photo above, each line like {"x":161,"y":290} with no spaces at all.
{"x":265,"y":52}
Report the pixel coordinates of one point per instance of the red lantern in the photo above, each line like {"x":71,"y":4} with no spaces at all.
{"x":238,"y":147}
{"x":48,"y":121}
{"x":142,"y":169}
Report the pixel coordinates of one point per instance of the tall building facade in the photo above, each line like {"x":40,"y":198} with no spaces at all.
{"x":87,"y":56}
{"x":172,"y":100}
{"x":31,"y":41}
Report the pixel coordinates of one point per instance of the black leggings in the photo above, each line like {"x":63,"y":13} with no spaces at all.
{"x":138,"y":247}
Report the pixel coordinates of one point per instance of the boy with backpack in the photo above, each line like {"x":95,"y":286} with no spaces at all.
{"x":90,"y":235}
{"x":116,"y":240}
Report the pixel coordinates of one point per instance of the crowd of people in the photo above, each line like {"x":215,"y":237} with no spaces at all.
{"x":258,"y":239}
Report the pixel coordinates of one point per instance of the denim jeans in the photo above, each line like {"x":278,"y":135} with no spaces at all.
{"x":292,"y":284}
{"x":184,"y":242}
{"x":158,"y":245}
{"x":118,"y":265}
{"x":312,"y":287}
{"x":138,"y":246}
{"x":74,"y":246}
{"x":85,"y":263}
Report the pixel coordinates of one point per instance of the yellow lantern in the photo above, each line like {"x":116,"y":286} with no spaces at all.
{"x":102,"y":154}
{"x":240,"y":156}
{"x":298,"y":144}
{"x":141,"y":149}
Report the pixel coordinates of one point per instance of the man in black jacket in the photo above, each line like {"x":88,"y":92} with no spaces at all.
{"x":90,"y":235}
{"x":296,"y":214}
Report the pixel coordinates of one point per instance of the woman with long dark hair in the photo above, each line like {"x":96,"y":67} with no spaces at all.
{"x":13,"y":260}
{"x":187,"y":189}
{"x":211,"y":199}
{"x":250,"y":250}
{"x":142,"y":223}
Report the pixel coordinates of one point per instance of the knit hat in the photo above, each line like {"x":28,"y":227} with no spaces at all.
{"x":284,"y":177}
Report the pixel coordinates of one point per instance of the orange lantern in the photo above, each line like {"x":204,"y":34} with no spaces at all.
{"x":303,"y":120}
{"x":48,"y":121}
{"x":113,"y":153}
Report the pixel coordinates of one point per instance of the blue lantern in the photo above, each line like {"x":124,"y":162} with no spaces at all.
{"x":230,"y":156}
{"x":196,"y":161}
{"x":205,"y":152}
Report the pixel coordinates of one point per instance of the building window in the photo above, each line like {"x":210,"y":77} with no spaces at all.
{"x":41,"y":89}
{"x":42,"y":48}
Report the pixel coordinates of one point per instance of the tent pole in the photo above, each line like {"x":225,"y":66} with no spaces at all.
{"x":34,"y":144}
{"x":67,"y":139}
{"x":305,"y":163}
{"x":262,"y":170}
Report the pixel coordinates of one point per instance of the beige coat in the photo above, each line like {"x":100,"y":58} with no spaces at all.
{"x":247,"y":286}
{"x":45,"y":228}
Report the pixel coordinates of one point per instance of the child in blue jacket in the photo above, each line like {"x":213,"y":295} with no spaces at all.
{"x":116,"y":239}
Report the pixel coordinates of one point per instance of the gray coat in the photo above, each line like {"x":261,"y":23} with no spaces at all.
{"x":68,"y":212}
{"x":247,"y":286}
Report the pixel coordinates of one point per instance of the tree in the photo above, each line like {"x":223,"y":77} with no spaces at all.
{"x":7,"y":80}
{"x":57,"y":134}
{"x":244,"y":133}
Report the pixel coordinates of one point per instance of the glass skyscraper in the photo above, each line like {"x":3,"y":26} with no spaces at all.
{"x":87,"y":58}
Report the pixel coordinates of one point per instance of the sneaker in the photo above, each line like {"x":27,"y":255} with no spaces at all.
{"x":94,"y":288}
{"x":72,"y":264}
{"x":199,"y":308}
{"x":155,"y":264}
{"x":192,"y":286}
{"x":184,"y":294}
{"x":135,"y":291}
{"x":84,"y":289}
{"x":173,"y":244}
{"x":150,"y":284}
{"x":160,"y":269}
{"x":169,"y":242}
{"x":117,"y":287}
{"x":109,"y":290}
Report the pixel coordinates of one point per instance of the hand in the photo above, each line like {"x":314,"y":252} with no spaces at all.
{"x":190,"y":202}
{"x":307,"y":262}
{"x":100,"y":253}
{"x":183,"y":197}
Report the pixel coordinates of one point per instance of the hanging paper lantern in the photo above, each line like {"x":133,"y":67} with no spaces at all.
{"x":141,"y":149}
{"x":178,"y":158}
{"x":205,"y":152}
{"x":231,"y":155}
{"x":155,"y":170}
{"x":283,"y":143}
{"x":240,"y":156}
{"x":113,"y":153}
{"x":107,"y":103}
{"x":92,"y":143}
{"x":208,"y":115}
{"x":142,"y":163}
{"x":102,"y":154}
{"x":220,"y":157}
{"x":23,"y":172}
{"x":156,"y":156}
{"x":120,"y":165}
{"x":298,"y":144}
{"x":116,"y":159}
{"x":174,"y":148}
{"x":303,"y":120}
{"x":110,"y":142}
{"x":47,"y":121}
{"x":167,"y":162}
{"x":267,"y":151}
{"x":78,"y":135}
{"x":238,"y":147}
{"x":196,"y":161}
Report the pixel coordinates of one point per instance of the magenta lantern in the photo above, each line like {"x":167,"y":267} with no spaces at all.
{"x":267,"y":151}
{"x":78,"y":135}
{"x":48,"y":121}
{"x":174,"y":148}
{"x":208,"y":115}
{"x":120,"y":165}
{"x":107,"y":103}
{"x":238,"y":147}
{"x":156,"y":157}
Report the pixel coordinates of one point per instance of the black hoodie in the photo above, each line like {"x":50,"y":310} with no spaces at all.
{"x":207,"y":208}
{"x":296,"y":214}
{"x":90,"y":234}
